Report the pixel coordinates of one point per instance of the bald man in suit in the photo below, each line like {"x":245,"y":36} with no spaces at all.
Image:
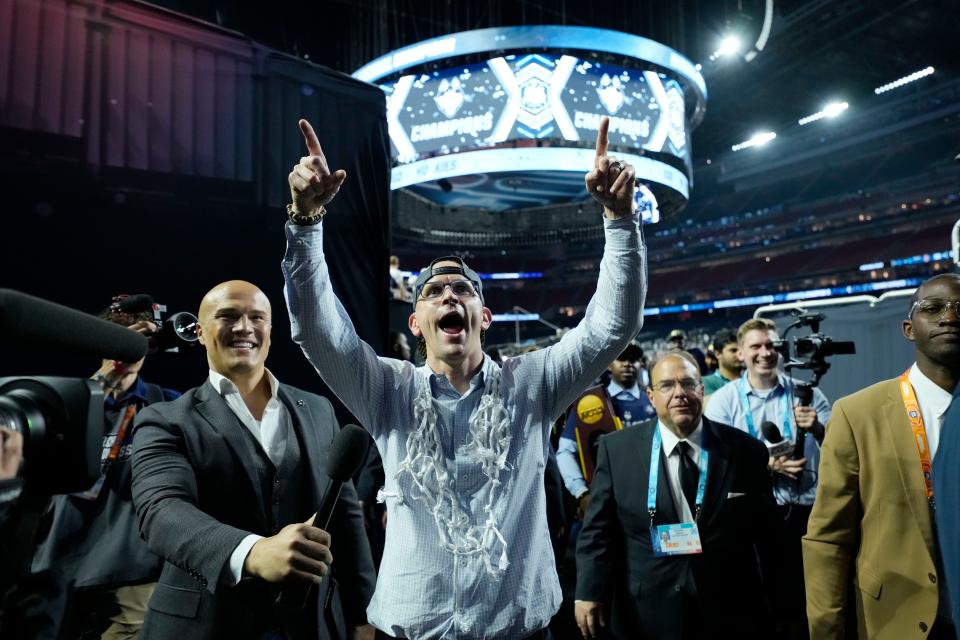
{"x":224,"y":480}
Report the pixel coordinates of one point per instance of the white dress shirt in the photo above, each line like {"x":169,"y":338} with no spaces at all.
{"x":934,"y":401}
{"x":270,"y":431}
{"x":672,"y":453}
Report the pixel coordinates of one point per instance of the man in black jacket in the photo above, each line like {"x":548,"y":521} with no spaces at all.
{"x":225,"y":480}
{"x":674,"y":553}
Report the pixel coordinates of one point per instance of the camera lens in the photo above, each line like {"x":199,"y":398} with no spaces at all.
{"x":20,"y":411}
{"x":61,"y":421}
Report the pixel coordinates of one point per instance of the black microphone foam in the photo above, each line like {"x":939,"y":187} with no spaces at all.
{"x":38,"y":322}
{"x":136,"y":303}
{"x":777,"y":445}
{"x":771,"y":433}
{"x":347,"y":453}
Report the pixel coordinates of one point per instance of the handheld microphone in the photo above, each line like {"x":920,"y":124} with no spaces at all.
{"x":776,"y":445}
{"x":347,"y":453}
{"x":38,"y":322}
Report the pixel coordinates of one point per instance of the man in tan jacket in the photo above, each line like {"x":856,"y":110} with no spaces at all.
{"x":872,"y":522}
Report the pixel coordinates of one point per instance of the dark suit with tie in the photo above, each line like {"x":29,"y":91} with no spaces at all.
{"x":202,"y":483}
{"x":719,"y":593}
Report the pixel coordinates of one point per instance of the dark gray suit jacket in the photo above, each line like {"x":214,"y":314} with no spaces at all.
{"x":197,"y":495}
{"x":650,"y":597}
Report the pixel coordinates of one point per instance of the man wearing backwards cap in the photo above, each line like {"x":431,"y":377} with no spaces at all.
{"x":464,"y":441}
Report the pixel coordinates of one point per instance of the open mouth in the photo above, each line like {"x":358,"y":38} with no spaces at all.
{"x":451,"y":324}
{"x":243,"y":346}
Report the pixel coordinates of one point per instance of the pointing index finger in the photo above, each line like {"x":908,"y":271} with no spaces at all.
{"x":601,"y":140}
{"x":313,"y":144}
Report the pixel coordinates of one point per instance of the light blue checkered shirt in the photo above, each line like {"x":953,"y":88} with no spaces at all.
{"x":424,"y":591}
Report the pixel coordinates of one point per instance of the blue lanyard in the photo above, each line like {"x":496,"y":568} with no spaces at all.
{"x":748,"y":414}
{"x":655,"y":475}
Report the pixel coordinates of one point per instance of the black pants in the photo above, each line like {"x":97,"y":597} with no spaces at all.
{"x":790,"y":598}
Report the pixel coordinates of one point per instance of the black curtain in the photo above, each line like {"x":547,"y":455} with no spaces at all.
{"x":77,"y":231}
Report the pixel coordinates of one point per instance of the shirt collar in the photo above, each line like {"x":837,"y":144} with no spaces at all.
{"x":765,"y":392}
{"x":224,"y":386}
{"x":476,"y":382}
{"x":138,"y":391}
{"x":614,"y":389}
{"x":670,"y":439}
{"x":928,"y":392}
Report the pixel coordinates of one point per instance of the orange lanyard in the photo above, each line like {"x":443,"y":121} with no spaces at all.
{"x":121,"y":433}
{"x":919,"y":433}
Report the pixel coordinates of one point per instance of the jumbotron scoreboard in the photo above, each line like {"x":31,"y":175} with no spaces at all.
{"x":507,"y":118}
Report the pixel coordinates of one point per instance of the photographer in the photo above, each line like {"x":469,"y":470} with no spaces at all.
{"x":92,"y":537}
{"x":764,"y":394}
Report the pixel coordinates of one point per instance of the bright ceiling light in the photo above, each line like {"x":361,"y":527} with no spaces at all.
{"x":758,"y":140}
{"x":832,"y":110}
{"x":728,"y":46}
{"x":916,"y":75}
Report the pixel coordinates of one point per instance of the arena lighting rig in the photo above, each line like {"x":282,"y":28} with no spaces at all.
{"x":506,"y":118}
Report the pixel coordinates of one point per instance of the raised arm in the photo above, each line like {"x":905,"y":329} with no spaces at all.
{"x":615,"y":313}
{"x":319,"y":323}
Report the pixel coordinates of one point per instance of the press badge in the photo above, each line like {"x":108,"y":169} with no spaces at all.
{"x":676,"y":539}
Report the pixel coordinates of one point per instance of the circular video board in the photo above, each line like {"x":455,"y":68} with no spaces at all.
{"x":517,"y":129}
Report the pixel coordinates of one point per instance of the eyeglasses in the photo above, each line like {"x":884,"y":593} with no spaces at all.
{"x":932,"y":308}
{"x":434,"y":290}
{"x":667,"y":386}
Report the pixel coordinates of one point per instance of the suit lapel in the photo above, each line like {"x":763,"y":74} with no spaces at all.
{"x":717,"y":467}
{"x":313,"y":453}
{"x":908,"y":461}
{"x":222,"y":420}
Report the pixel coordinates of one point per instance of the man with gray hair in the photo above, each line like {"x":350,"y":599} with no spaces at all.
{"x":464,"y":441}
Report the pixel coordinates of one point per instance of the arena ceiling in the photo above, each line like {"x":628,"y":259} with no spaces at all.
{"x":816,"y":52}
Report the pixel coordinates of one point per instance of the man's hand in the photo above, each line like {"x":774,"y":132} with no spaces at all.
{"x":611,"y":183}
{"x":787,"y":467}
{"x":11,"y":453}
{"x":121,"y":375}
{"x":589,"y":617}
{"x":311,"y":183}
{"x":582,"y":503}
{"x":300,"y":552}
{"x":806,"y":417}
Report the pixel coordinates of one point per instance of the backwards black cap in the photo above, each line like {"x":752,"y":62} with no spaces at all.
{"x":460,"y":269}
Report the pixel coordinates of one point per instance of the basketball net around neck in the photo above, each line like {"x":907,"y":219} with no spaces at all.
{"x":431,"y":481}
